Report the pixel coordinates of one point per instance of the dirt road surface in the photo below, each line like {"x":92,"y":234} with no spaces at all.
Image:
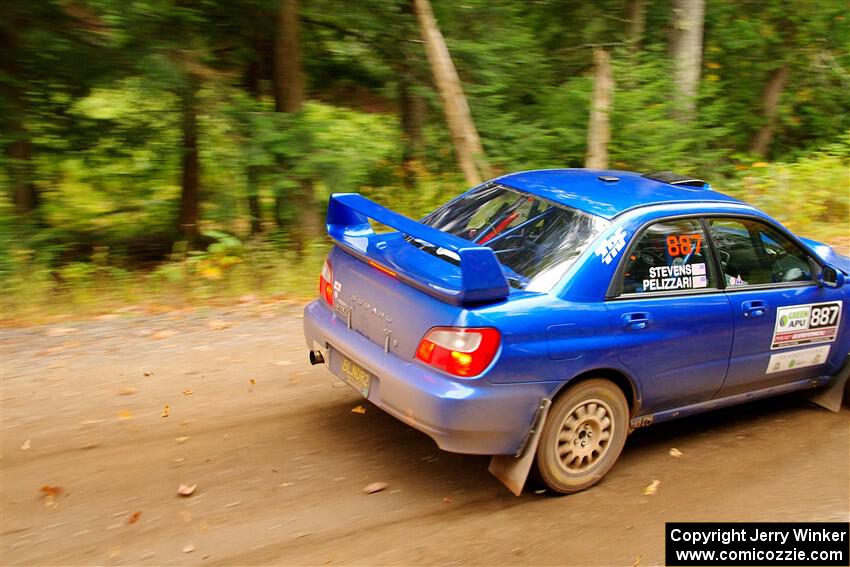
{"x":91,"y":467}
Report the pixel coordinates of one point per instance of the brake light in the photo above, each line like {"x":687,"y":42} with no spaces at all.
{"x":326,"y":288}
{"x":460,"y":351}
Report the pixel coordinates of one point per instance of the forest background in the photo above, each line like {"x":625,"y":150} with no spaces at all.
{"x":181,"y":152}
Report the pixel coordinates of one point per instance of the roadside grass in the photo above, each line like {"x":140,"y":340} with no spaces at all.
{"x":37,"y":294}
{"x":222,"y":276}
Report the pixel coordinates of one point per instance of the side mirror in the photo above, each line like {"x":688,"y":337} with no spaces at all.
{"x":830,"y":277}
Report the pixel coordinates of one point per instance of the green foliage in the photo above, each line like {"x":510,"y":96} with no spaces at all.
{"x":811,"y":193}
{"x":98,"y":89}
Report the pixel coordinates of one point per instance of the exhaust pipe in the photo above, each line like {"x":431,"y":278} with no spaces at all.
{"x":316,"y":357}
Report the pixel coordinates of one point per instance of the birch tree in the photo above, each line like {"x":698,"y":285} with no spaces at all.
{"x":599,"y":130}
{"x":688,"y":17}
{"x":467,"y":144}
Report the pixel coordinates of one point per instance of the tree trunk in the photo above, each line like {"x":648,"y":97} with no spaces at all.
{"x":254,"y":207}
{"x":253,"y":81}
{"x":637,"y":22}
{"x":688,"y":17}
{"x":190,"y":183}
{"x":288,"y":75}
{"x":289,"y":97}
{"x":770,"y":103}
{"x":599,"y":130}
{"x":19,"y":150}
{"x":412,"y":118}
{"x":465,"y":138}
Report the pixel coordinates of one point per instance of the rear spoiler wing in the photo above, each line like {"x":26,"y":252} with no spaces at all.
{"x":479,"y":278}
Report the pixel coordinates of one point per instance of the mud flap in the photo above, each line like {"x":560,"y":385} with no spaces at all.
{"x":831,"y":395}
{"x":513,"y":471}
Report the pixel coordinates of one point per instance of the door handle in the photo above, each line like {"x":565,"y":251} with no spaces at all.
{"x":636,"y":321}
{"x":754,"y":308}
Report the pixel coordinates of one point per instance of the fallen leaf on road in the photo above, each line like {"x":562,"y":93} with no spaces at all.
{"x":189,"y":548}
{"x":165,"y":410}
{"x":134,"y":517}
{"x":50,"y":491}
{"x":652,"y":488}
{"x":188,"y":392}
{"x":252,"y":382}
{"x":125,"y":414}
{"x":127,"y":391}
{"x":26,"y":445}
{"x":675,"y":453}
{"x":181,"y":440}
{"x":358,"y":409}
{"x":186,"y":489}
{"x":375,"y":487}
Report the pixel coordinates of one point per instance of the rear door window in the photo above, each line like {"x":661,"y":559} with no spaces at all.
{"x":670,"y":256}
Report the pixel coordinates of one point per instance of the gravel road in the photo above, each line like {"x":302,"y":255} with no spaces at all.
{"x":103,"y":420}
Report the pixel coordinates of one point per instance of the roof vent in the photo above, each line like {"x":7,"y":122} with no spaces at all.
{"x":609,"y":178}
{"x":677,"y":179}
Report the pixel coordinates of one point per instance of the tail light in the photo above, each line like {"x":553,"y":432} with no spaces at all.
{"x":460,"y":351}
{"x":326,"y":288}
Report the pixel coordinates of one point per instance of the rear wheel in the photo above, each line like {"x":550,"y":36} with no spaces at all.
{"x":583,"y":436}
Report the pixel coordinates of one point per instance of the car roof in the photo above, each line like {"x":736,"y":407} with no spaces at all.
{"x":607,"y":193}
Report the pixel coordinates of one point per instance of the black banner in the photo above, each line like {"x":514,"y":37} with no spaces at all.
{"x":820,"y":544}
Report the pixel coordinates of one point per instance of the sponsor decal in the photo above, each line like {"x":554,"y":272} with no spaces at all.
{"x":683,"y":276}
{"x":611,"y":246}
{"x":806,"y":324}
{"x":783,"y":361}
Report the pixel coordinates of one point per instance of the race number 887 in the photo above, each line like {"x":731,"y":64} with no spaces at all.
{"x":824,"y":316}
{"x":684,"y":244}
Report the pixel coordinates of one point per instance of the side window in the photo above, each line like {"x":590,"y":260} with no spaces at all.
{"x":669,"y":256}
{"x":753,"y":253}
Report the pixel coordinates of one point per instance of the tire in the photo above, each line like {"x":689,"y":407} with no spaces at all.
{"x":583,"y":436}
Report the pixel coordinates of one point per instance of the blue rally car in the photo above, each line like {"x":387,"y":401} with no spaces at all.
{"x":542,"y":316}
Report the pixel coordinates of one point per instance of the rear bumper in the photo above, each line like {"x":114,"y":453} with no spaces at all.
{"x":461,"y":416}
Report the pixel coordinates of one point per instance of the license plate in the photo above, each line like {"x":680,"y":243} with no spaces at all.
{"x":356,"y":376}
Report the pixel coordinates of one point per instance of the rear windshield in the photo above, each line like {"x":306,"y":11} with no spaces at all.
{"x":535,"y":240}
